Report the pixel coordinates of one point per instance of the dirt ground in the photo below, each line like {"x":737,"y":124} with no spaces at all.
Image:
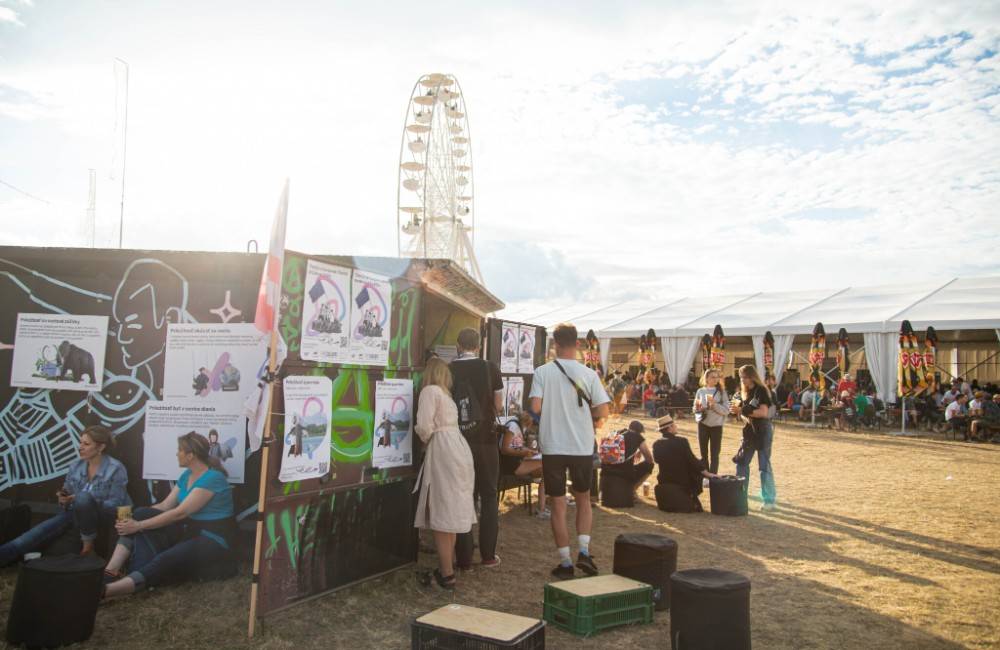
{"x":879,"y":542}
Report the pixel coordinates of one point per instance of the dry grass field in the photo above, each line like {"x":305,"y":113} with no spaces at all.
{"x":879,"y":542}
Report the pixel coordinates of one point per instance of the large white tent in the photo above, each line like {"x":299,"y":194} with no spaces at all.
{"x":963,"y":307}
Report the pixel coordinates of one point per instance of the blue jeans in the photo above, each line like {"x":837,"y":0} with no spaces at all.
{"x":86,"y":513}
{"x":169,"y":553}
{"x":765,"y":436}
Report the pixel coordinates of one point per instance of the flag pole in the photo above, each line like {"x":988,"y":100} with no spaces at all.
{"x":266,"y":444}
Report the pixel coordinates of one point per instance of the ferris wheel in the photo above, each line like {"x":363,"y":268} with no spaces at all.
{"x":434,"y":195}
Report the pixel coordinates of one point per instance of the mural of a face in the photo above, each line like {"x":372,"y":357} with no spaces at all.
{"x":150,"y":295}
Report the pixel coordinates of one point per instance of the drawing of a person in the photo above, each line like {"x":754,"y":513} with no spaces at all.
{"x":200,"y":384}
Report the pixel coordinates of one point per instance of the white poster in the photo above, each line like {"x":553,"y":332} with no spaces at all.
{"x":392,"y":444}
{"x":59,"y":351}
{"x":513,"y":390}
{"x":508,"y":348}
{"x":223,"y":423}
{"x":306,"y":449}
{"x":217,"y":361}
{"x":526,"y":350}
{"x":371,"y":314}
{"x":326,"y":313}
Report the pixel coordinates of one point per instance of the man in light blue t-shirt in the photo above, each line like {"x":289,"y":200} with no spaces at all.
{"x":573,"y":405}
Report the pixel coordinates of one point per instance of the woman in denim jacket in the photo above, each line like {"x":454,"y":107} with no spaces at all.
{"x":93,"y":490}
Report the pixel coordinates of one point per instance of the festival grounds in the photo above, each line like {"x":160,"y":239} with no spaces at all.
{"x":879,"y":542}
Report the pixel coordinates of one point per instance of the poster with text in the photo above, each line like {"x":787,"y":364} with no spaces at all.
{"x":59,"y":351}
{"x":326,"y":313}
{"x":371,"y":314}
{"x":308,"y":408}
{"x":513,"y":390}
{"x":508,"y":348}
{"x":526,"y":350}
{"x":223,"y":423}
{"x":215,"y":362}
{"x":392,"y":444}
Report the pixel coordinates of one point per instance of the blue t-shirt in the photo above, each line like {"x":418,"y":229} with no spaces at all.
{"x":221,"y":504}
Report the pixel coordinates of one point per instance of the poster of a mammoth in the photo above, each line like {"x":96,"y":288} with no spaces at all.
{"x":61,"y":351}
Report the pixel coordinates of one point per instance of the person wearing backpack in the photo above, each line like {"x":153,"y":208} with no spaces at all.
{"x":478,"y":394}
{"x":711,"y":406}
{"x":572,"y":405}
{"x":620,"y":450}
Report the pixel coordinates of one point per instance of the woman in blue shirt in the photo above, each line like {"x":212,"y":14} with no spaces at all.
{"x":93,"y":490}
{"x":189,"y":532}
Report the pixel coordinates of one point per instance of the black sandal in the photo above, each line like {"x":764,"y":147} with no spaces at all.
{"x":445,"y":582}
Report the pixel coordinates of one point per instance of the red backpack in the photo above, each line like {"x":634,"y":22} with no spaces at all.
{"x":612,"y":448}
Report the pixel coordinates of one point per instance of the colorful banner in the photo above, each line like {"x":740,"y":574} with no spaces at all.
{"x":930,"y":359}
{"x":843,"y":352}
{"x":717,"y":355}
{"x":60,"y":351}
{"x":371,"y":315}
{"x":508,"y":348}
{"x":223,"y":423}
{"x":706,"y":351}
{"x":592,"y":352}
{"x":911,"y":362}
{"x":326,"y":314}
{"x":817,"y":355}
{"x":768,"y":355}
{"x":526,"y":350}
{"x":392,"y":442}
{"x":306,"y":449}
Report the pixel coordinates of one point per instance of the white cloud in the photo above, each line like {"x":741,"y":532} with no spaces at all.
{"x":8,"y":15}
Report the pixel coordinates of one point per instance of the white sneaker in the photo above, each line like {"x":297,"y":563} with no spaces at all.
{"x":768,"y":507}
{"x":704,"y":482}
{"x":544,"y":514}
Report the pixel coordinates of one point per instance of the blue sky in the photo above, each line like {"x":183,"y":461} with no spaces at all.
{"x":623,"y":152}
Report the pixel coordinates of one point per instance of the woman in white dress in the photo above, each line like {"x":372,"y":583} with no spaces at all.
{"x":447,"y":476}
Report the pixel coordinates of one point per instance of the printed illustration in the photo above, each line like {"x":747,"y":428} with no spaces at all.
{"x":64,"y":352}
{"x":306,"y":445}
{"x":371,"y":314}
{"x":508,"y":348}
{"x":223,"y":424}
{"x":526,"y":350}
{"x":326,"y":313}
{"x":393,"y":436}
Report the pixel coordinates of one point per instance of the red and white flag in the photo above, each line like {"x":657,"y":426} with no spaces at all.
{"x":266,"y":321}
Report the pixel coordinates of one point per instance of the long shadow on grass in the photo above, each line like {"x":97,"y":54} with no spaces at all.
{"x":885,"y":440}
{"x":941,"y":550}
{"x":800,"y":612}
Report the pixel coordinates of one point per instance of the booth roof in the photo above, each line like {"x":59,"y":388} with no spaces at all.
{"x":960,"y":303}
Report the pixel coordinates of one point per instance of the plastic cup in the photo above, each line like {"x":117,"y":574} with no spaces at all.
{"x":645,"y":489}
{"x":124,"y":513}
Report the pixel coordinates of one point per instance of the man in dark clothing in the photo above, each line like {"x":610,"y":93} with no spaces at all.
{"x":483,"y":377}
{"x":678,"y":464}
{"x":635,"y":447}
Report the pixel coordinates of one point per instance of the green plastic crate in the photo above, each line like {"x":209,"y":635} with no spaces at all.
{"x":587,"y":615}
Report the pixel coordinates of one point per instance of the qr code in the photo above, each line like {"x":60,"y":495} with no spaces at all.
{"x":385,"y":345}
{"x":406,"y":458}
{"x":323,"y":467}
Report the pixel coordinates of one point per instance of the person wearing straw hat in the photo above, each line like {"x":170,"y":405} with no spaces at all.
{"x":678,"y":464}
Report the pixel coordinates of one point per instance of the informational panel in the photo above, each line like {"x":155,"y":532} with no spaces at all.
{"x":371,"y":314}
{"x":526,"y":350}
{"x":513,"y":395}
{"x":306,"y":449}
{"x":223,"y":424}
{"x":393,"y":435}
{"x":215,"y":362}
{"x":59,"y":351}
{"x":326,"y":313}
{"x":508,"y":348}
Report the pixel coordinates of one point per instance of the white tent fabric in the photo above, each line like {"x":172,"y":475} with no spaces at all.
{"x":882,"y":353}
{"x":758,"y":353}
{"x":605,"y":344}
{"x":782,"y":348}
{"x":961,"y":303}
{"x":678,"y":353}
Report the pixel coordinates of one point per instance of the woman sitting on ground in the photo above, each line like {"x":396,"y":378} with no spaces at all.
{"x":681,"y":472}
{"x":190,"y":531}
{"x":520,"y":458}
{"x":447,"y":475}
{"x":93,"y":490}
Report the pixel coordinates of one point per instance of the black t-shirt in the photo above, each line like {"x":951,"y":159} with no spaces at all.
{"x":484,"y":377}
{"x":632,"y":442}
{"x":763,"y":396}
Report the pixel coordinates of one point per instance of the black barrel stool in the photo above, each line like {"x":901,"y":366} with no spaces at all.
{"x":55,"y":601}
{"x":709,"y":610}
{"x":647,"y":558}
{"x":728,"y":495}
{"x":616,"y":491}
{"x":671,"y":497}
